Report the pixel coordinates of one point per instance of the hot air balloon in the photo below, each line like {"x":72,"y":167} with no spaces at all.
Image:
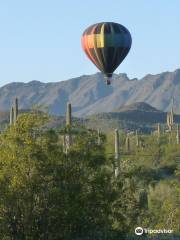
{"x":106,"y":44}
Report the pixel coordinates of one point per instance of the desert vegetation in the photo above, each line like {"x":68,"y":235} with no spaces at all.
{"x":63,"y":183}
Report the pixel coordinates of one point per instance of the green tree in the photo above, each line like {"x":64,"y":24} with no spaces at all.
{"x":47,"y":194}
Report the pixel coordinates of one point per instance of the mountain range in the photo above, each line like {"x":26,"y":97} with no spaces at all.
{"x":90,"y":95}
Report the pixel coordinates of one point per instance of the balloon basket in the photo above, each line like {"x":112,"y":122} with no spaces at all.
{"x":108,"y":80}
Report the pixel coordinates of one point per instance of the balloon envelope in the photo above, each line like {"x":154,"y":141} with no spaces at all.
{"x":106,"y":44}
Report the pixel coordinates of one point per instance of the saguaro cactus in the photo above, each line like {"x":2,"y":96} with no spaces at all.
{"x":167,"y":120}
{"x":170,"y":119}
{"x":158,"y":131}
{"x":68,"y":115}
{"x":68,"y":136}
{"x":116,"y":147}
{"x":11,"y":117}
{"x":137,"y":139}
{"x":15,"y":110}
{"x":177,"y":134}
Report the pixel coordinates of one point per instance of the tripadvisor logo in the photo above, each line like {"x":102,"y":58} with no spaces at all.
{"x":140,"y":231}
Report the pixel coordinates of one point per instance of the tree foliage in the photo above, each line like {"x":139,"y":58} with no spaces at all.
{"x":49,"y":193}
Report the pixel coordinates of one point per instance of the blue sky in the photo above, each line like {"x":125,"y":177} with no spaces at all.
{"x":40,"y":39}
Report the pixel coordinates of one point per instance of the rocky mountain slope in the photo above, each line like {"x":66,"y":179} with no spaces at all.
{"x":90,"y":95}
